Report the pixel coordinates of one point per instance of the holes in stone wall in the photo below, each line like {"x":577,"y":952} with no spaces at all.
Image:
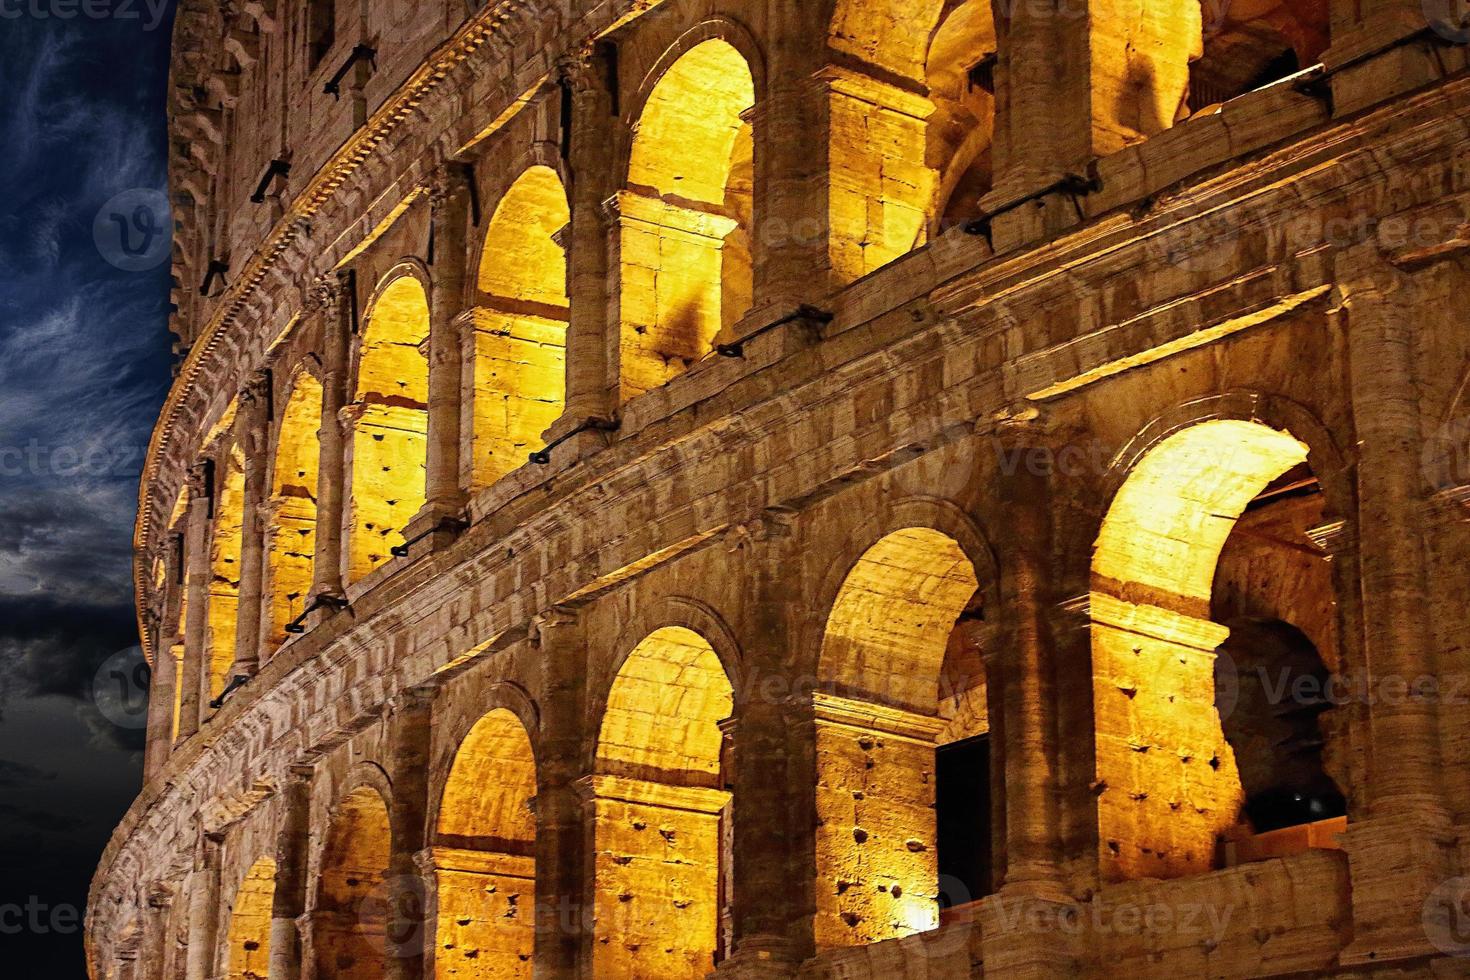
{"x":484,"y":854}
{"x":658,"y":808}
{"x":291,"y":534}
{"x":349,"y":920}
{"x":248,"y":941}
{"x":389,"y":444}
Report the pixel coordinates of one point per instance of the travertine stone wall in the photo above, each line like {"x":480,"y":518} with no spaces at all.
{"x":664,"y":701}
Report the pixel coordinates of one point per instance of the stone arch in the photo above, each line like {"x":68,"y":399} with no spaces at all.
{"x":961,"y":73}
{"x":291,"y":529}
{"x":1248,"y":46}
{"x":660,"y":812}
{"x":685,"y":214}
{"x":1170,"y":787}
{"x":520,"y":323}
{"x":349,"y":918}
{"x":484,"y":853}
{"x":247,"y":943}
{"x":389,"y":415}
{"x":225,"y":541}
{"x":904,"y":612}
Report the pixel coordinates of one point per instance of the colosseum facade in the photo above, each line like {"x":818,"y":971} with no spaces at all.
{"x":808,"y":488}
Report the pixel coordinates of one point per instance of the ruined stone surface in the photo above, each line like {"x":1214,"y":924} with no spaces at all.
{"x":1033,"y":373}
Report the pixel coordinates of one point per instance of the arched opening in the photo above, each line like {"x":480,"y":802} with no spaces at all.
{"x":661,"y":812}
{"x":484,"y":854}
{"x":390,"y":408}
{"x":349,"y":919}
{"x":1203,"y":533}
{"x":520,"y":325}
{"x":903,"y":699}
{"x":291,"y":534}
{"x":224,"y":569}
{"x":684,"y":219}
{"x":961,"y":75}
{"x":1249,"y":44}
{"x":248,"y":941}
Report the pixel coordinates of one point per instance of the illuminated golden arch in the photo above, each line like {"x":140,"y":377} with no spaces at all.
{"x":390,"y":408}
{"x":685,"y":217}
{"x":224,"y":568}
{"x":658,"y":807}
{"x":248,"y":942}
{"x":291,"y":533}
{"x":484,"y":853}
{"x":351,"y":894}
{"x":1169,"y":778}
{"x":520,"y":324}
{"x":877,"y":722}
{"x":962,"y":74}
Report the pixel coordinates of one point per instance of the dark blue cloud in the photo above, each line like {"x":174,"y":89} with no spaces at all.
{"x":84,"y":365}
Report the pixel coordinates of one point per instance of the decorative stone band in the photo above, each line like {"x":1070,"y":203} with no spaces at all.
{"x":489,"y":862}
{"x":880,"y":719}
{"x":1157,"y":623}
{"x":695,"y":799}
{"x":632,"y":206}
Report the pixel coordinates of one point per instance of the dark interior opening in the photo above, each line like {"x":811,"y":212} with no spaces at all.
{"x":962,"y":818}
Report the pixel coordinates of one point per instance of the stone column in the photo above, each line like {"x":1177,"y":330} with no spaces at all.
{"x":204,"y":894}
{"x":449,"y":197}
{"x":1400,"y":852}
{"x":1027,"y":664}
{"x":769,"y":890}
{"x":196,"y":611}
{"x":1043,"y":115}
{"x":563,"y":895}
{"x":252,"y":433}
{"x":408,"y":935}
{"x":1021,"y":665}
{"x":162,"y":684}
{"x":329,"y":298}
{"x":591,"y":365}
{"x":288,"y":901}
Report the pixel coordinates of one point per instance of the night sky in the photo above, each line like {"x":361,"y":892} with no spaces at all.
{"x":84,"y":366}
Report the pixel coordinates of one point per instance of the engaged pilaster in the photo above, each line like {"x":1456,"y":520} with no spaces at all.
{"x":410,"y":717}
{"x":288,"y":901}
{"x":449,"y":200}
{"x":196,"y":583}
{"x":252,"y":432}
{"x":563,"y":904}
{"x":329,"y":300}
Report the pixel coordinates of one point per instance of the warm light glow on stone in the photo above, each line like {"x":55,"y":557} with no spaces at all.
{"x":883,"y":651}
{"x":391,"y":412}
{"x":658,"y":809}
{"x":248,"y":942}
{"x":1169,"y":778}
{"x":292,"y":531}
{"x":520,"y":325}
{"x":351,"y":893}
{"x":224,"y":566}
{"x":484,"y":854}
{"x":687,"y":204}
